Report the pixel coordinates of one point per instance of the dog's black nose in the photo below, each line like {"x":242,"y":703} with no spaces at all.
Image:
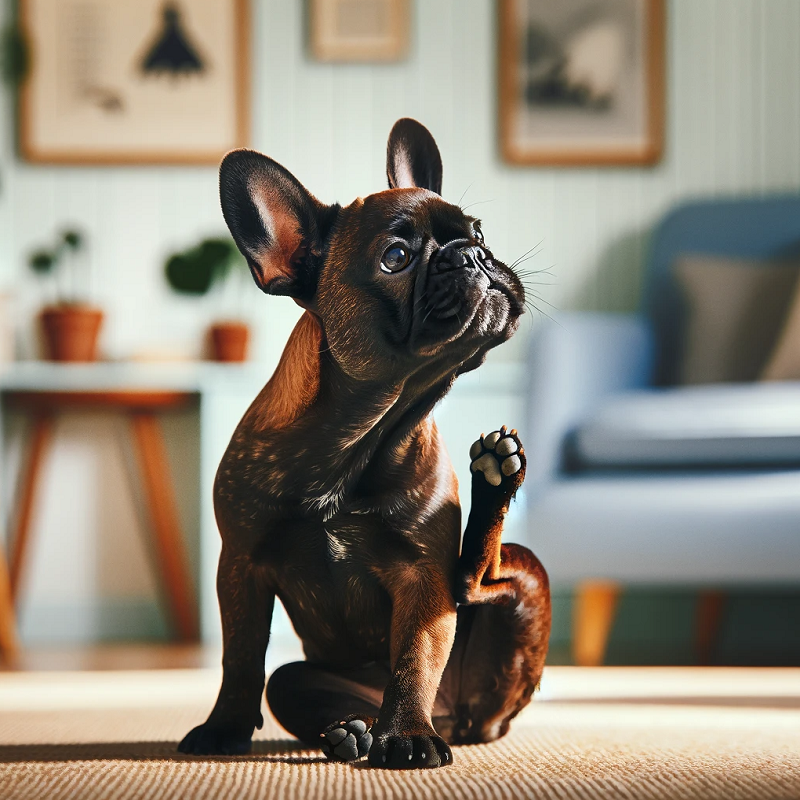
{"x":447,"y":259}
{"x":458,"y":255}
{"x":475,"y":254}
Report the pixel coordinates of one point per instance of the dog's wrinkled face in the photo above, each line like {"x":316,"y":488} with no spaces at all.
{"x":422,"y":278}
{"x":397,"y":279}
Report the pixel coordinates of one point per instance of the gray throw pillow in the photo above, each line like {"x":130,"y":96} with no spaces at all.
{"x":784,"y":361}
{"x":736,"y":309}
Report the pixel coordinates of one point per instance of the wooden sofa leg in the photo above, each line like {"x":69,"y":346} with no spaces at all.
{"x":594,"y":607}
{"x":708,"y":616}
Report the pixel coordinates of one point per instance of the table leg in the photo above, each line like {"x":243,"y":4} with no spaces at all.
{"x":170,"y":547}
{"x":9,"y":646}
{"x":43,"y":425}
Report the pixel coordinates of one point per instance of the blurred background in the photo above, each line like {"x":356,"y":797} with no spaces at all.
{"x":641,"y":157}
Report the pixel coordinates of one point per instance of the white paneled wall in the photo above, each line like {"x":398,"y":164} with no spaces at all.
{"x":733,"y":121}
{"x":733,"y":126}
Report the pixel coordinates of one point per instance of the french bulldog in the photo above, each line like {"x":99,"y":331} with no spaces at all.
{"x":336,"y":494}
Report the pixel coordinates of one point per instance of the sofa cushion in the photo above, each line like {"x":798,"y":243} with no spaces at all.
{"x":735,"y":311}
{"x":699,"y":426}
{"x":784,"y":362}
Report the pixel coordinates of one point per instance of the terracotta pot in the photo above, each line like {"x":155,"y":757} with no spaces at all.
{"x":229,"y":341}
{"x":71,"y":332}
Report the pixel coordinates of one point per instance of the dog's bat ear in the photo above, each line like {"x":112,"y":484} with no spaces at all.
{"x":275,"y":222}
{"x":412,"y":157}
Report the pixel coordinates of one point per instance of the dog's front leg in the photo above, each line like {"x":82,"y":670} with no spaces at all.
{"x":246,"y":605}
{"x":423,"y":628}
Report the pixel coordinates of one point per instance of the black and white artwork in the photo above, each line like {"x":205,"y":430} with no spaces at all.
{"x":580,"y":80}
{"x":173,"y":53}
{"x":120,"y":81}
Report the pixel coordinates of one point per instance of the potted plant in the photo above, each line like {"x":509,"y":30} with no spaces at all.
{"x":71,"y":326}
{"x":212,"y":263}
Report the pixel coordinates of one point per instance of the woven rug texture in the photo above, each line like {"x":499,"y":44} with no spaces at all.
{"x":113,"y":735}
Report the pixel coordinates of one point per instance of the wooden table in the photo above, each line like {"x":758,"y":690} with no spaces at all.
{"x":141,"y":407}
{"x":140,"y":391}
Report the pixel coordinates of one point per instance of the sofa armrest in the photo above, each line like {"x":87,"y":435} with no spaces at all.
{"x":575,"y":362}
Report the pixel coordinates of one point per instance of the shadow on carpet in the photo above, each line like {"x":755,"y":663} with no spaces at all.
{"x":282,"y":751}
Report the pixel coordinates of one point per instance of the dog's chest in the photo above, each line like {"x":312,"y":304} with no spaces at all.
{"x":328,"y":581}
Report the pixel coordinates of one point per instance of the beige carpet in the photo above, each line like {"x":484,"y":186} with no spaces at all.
{"x":609,"y":733}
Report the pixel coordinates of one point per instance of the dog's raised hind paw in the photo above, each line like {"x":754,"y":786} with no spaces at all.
{"x":347,"y":740}
{"x":500,"y":458}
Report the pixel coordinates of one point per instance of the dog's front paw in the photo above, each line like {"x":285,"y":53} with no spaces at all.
{"x":409,"y":751}
{"x":500,"y":459}
{"x":347,"y":740}
{"x":213,"y":739}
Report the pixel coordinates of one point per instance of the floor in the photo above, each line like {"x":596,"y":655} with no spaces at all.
{"x":114,"y":657}
{"x":111,"y":732}
{"x":711,"y":686}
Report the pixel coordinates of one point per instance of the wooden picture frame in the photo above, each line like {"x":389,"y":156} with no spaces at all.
{"x":359,"y":30}
{"x":134,"y":81}
{"x":581,"y":82}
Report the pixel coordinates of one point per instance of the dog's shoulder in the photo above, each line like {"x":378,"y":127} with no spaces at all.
{"x":295,"y":383}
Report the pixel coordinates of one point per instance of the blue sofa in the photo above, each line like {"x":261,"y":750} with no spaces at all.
{"x":633,"y":480}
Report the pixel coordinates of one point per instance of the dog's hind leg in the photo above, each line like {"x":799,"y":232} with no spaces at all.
{"x":326,"y":708}
{"x":312,"y":701}
{"x":306,"y":698}
{"x":504,"y":622}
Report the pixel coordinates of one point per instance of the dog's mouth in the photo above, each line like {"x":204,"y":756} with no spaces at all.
{"x":465,"y":289}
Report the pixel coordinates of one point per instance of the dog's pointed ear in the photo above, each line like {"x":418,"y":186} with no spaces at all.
{"x":412,"y":157}
{"x":275,"y":222}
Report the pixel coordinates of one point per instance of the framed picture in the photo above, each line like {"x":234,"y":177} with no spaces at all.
{"x":581,"y":81}
{"x":134,"y":81}
{"x":359,"y":30}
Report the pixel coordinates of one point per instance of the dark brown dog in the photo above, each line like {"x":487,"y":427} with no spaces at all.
{"x":336,"y":494}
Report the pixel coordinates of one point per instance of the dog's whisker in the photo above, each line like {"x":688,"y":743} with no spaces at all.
{"x":476,"y":203}
{"x":546,"y":302}
{"x":528,"y":252}
{"x":530,"y":270}
{"x":464,"y":194}
{"x":535,"y":288}
{"x":533,"y":307}
{"x":534,"y":277}
{"x":523,"y":260}
{"x":537,"y":277}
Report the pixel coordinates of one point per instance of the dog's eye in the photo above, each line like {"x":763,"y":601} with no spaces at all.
{"x":477,"y":233}
{"x":395,"y":258}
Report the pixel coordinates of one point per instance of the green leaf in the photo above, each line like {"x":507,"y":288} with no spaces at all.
{"x":196,"y":269}
{"x":72,"y":239}
{"x":188,"y":276}
{"x":217,"y":249}
{"x":13,"y":55}
{"x":42,"y":261}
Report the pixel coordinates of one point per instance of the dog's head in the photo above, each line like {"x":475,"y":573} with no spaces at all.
{"x":396,"y":279}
